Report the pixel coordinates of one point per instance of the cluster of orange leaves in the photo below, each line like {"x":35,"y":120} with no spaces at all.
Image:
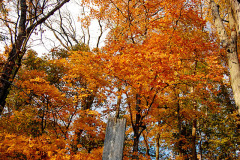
{"x":157,"y":49}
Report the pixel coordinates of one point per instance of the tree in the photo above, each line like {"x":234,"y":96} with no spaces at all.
{"x":53,"y":96}
{"x":29,"y":15}
{"x":154,"y":50}
{"x":217,"y":128}
{"x":161,"y":68}
{"x":228,"y":35}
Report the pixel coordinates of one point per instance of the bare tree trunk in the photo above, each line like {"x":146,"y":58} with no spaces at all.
{"x":157,"y":146}
{"x":13,"y":63}
{"x":230,"y":44}
{"x":146,"y":143}
{"x":181,"y":133}
{"x":118,"y":104}
{"x":194,"y":128}
{"x":135,"y":143}
{"x":136,"y":127}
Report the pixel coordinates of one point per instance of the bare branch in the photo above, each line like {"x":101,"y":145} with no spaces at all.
{"x":47,"y":16}
{"x":101,"y":32}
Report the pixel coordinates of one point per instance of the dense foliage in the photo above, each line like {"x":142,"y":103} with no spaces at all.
{"x":162,"y":68}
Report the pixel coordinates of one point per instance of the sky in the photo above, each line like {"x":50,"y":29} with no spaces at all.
{"x":43,"y":43}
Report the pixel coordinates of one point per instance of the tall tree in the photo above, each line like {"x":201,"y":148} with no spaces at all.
{"x":159,"y":43}
{"x":228,"y":35}
{"x":29,"y":15}
{"x":53,"y":96}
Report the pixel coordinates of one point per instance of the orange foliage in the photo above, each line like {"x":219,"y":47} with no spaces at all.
{"x":159,"y":61}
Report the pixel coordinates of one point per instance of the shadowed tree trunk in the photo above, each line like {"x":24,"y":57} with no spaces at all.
{"x":194,"y":128}
{"x":146,"y":144}
{"x":136,"y":127}
{"x":157,"y":146}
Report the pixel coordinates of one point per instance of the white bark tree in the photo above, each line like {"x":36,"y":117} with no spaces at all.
{"x":229,"y":42}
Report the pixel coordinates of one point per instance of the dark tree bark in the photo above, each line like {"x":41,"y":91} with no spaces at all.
{"x":13,"y":63}
{"x":146,"y":143}
{"x":194,"y":128}
{"x":138,"y":126}
{"x":157,"y":146}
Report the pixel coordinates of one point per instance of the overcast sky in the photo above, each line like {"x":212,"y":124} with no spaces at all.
{"x":49,"y":41}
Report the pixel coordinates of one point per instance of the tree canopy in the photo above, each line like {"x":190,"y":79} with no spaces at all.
{"x":169,"y":67}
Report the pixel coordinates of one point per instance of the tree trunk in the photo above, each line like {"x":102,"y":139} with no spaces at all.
{"x":15,"y":56}
{"x":157,"y":146}
{"x":230,"y":44}
{"x":181,"y":133}
{"x":135,"y":144}
{"x":13,"y":63}
{"x":146,"y":144}
{"x":194,"y":128}
{"x":118,"y":104}
{"x":137,"y":124}
{"x":136,"y":127}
